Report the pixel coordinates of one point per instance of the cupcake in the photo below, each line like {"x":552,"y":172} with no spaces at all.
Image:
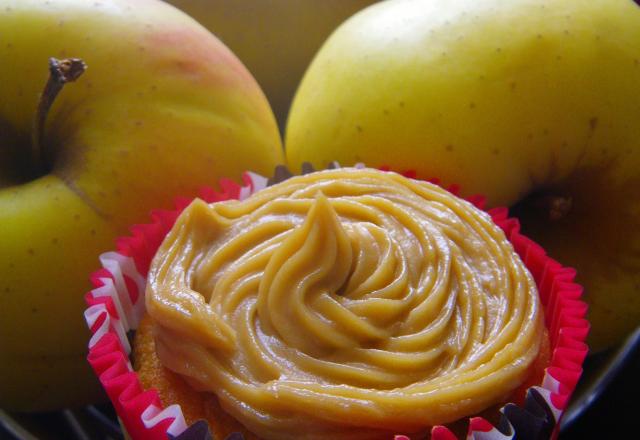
{"x":345,"y":304}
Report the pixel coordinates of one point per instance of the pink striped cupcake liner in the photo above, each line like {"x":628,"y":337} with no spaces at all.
{"x":116,"y":305}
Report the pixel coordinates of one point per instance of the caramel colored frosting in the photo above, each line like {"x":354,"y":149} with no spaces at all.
{"x":344,"y":304}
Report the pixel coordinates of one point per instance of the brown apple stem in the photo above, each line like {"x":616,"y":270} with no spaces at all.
{"x":60,"y":73}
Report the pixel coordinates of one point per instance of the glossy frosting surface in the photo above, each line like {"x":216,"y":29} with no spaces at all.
{"x":344,"y":304}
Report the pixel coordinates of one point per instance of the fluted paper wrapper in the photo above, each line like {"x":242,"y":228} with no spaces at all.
{"x":116,"y":305}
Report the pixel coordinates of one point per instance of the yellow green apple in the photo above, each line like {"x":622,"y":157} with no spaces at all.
{"x":163,"y":109}
{"x":534,"y":103}
{"x":275,"y":39}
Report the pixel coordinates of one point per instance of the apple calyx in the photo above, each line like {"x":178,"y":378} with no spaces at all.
{"x":546,"y":206}
{"x":555,"y":207}
{"x":60,"y":73}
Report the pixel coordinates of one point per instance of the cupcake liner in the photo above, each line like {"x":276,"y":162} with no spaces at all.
{"x":116,"y":305}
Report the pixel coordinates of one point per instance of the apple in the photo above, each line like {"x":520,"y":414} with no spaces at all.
{"x":534,"y":103}
{"x":163,"y":109}
{"x":275,"y":39}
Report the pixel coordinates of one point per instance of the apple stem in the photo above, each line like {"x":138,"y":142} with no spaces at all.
{"x":60,"y":73}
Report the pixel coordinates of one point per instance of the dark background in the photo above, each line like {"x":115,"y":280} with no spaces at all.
{"x":616,"y":414}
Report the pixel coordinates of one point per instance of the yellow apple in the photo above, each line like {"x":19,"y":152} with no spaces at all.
{"x":535,"y":102}
{"x":163,"y":109}
{"x":275,"y":39}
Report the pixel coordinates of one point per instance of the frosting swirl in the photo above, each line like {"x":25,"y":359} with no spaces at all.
{"x":344,"y":304}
